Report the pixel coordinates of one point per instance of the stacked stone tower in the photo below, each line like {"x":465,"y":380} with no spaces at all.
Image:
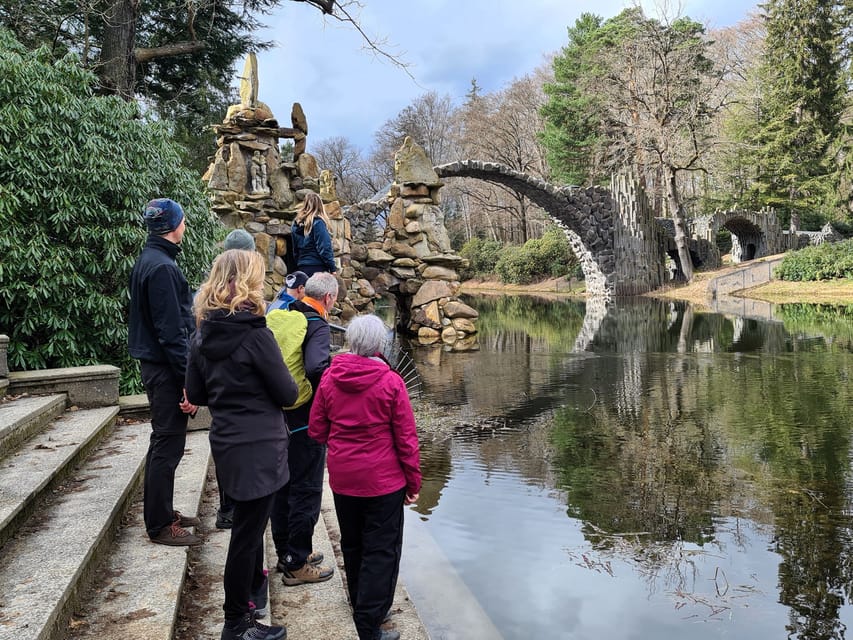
{"x":420,"y":263}
{"x":250,"y":185}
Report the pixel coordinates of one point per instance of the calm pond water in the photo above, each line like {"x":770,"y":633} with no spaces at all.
{"x":652,"y":473}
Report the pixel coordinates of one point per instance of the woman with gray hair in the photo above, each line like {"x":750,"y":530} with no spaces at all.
{"x":362,"y":412}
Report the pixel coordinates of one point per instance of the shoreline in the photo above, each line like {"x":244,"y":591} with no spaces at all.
{"x":833,"y":292}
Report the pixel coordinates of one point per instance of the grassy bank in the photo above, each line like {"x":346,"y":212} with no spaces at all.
{"x":775,"y":291}
{"x":557,"y":286}
{"x":823,"y":292}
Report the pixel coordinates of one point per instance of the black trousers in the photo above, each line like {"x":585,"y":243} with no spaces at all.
{"x":371,"y":542}
{"x":225,"y":503}
{"x":244,"y":564}
{"x":166,"y":446}
{"x":297,"y":504}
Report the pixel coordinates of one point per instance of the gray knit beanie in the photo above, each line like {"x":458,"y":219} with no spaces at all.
{"x":240,"y":239}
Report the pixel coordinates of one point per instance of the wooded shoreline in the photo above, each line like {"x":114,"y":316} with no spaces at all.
{"x":837,"y":292}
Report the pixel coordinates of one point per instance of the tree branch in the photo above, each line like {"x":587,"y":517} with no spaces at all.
{"x":376,"y":46}
{"x":326,"y":6}
{"x":142,"y":54}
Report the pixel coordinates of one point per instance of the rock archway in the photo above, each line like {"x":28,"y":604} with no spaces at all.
{"x":612,"y":233}
{"x":755,"y":234}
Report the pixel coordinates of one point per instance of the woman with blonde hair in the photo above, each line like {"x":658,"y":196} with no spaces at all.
{"x":235,"y":367}
{"x":309,"y":233}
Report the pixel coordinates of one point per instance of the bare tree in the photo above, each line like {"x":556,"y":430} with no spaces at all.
{"x":737,"y":50}
{"x":504,"y":127}
{"x":346,"y":163}
{"x":429,"y":121}
{"x":661,"y":91}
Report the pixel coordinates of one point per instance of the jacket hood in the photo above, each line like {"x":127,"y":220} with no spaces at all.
{"x":221,"y":333}
{"x":356,"y":373}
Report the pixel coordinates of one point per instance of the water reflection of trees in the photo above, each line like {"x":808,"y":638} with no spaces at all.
{"x":658,"y":444}
{"x":826,"y":324}
{"x":766,"y":439}
{"x":521,"y":341}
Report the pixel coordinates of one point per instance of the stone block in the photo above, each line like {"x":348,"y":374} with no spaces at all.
{"x":464,"y":325}
{"x":456,"y":309}
{"x":412,"y":167}
{"x":429,"y":291}
{"x":90,"y":386}
{"x":448,"y":335}
{"x":306,"y":166}
{"x":435,"y":272}
{"x":4,"y":349}
{"x":428,"y":335}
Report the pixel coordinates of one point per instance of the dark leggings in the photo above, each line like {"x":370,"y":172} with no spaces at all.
{"x":244,"y":565}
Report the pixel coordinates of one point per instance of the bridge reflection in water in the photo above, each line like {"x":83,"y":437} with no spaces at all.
{"x":687,"y":467}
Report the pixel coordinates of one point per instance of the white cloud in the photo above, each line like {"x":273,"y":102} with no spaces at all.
{"x":347,"y":91}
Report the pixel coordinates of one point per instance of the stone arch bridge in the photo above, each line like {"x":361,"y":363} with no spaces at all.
{"x":621,"y":246}
{"x":612,"y":232}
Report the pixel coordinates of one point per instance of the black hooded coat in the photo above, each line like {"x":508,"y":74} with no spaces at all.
{"x":235,"y":367}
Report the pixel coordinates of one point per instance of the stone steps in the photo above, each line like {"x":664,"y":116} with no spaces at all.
{"x":136,"y":593}
{"x":25,"y":416}
{"x":47,"y":458}
{"x":53,"y":553}
{"x":75,"y":562}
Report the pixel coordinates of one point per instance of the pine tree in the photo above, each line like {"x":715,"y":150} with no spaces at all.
{"x":572,"y":115}
{"x":802,"y":72}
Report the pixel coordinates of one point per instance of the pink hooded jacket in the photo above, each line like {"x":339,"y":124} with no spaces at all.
{"x":362,"y":411}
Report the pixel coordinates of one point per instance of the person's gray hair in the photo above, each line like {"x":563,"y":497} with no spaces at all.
{"x":367,"y":335}
{"x":320,"y":284}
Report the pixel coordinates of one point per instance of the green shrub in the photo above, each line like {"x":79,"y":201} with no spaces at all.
{"x":75,"y":173}
{"x":514,"y":266}
{"x":555,"y":256}
{"x":547,"y":257}
{"x":822,"y":262}
{"x":482,"y":256}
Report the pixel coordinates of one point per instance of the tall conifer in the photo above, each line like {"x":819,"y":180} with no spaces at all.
{"x":800,"y":118}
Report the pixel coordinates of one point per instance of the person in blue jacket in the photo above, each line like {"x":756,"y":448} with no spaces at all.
{"x":293,"y":290}
{"x":312,"y":244}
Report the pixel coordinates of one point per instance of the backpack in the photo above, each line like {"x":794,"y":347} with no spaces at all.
{"x":289,"y":328}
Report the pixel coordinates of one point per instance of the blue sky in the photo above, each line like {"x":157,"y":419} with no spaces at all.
{"x":348,"y":91}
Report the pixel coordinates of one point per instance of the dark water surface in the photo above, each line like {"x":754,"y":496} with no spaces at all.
{"x":649,"y":472}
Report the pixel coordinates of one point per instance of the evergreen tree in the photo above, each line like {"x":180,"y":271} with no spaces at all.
{"x":572,"y":115}
{"x":76,"y":169}
{"x":176,"y":56}
{"x":803,"y":77}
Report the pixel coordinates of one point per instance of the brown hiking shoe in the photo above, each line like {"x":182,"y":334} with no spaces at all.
{"x":315,"y":558}
{"x":185,"y":521}
{"x":176,"y":536}
{"x":307,"y":573}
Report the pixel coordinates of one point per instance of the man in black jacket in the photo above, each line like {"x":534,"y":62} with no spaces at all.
{"x":160,"y":326}
{"x":297,"y":504}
